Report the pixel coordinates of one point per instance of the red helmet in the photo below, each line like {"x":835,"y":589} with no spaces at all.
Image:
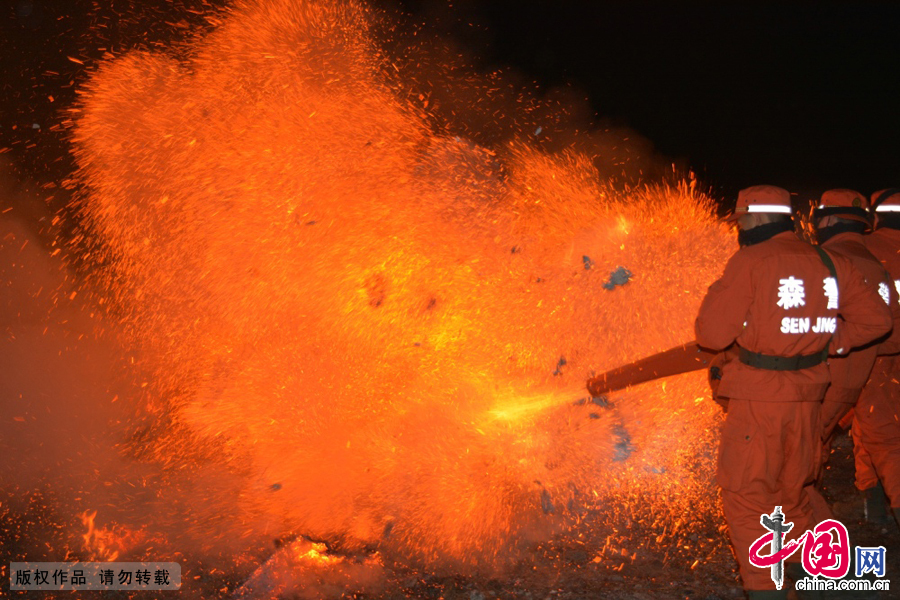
{"x":761,"y":199}
{"x":885,"y":201}
{"x":846,"y":204}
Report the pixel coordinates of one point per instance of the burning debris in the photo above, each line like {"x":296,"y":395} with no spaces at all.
{"x":620,"y":276}
{"x":305,"y":569}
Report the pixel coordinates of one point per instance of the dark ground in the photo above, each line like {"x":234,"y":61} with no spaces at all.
{"x":562,"y":570}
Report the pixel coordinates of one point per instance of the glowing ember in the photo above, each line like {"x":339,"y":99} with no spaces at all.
{"x":316,"y":553}
{"x":368,"y":331}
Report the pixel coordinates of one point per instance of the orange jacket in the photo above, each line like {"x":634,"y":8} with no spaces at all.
{"x":852,"y":371}
{"x":884,"y":244}
{"x":771,"y":299}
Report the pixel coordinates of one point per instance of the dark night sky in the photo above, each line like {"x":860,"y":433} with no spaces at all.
{"x":800,"y":94}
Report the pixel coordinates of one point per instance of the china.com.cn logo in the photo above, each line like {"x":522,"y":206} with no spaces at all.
{"x":826,"y":550}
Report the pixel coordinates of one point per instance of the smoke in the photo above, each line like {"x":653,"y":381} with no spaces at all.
{"x":64,"y":384}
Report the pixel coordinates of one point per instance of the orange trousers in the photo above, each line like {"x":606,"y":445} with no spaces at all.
{"x":876,"y":430}
{"x":768,"y":453}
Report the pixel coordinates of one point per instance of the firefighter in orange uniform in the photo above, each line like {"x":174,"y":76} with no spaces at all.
{"x":779,"y":300}
{"x":876,"y":419}
{"x":841,"y":219}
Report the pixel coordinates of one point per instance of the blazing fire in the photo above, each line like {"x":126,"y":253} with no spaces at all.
{"x":107,"y":543}
{"x":362,"y":327}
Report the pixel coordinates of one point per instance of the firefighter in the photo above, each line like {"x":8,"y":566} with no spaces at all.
{"x":876,"y":418}
{"x":840,"y":220}
{"x":778,"y":300}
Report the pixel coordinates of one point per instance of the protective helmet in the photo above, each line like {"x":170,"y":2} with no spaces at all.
{"x":846,"y":204}
{"x":885,"y":201}
{"x":761,"y":199}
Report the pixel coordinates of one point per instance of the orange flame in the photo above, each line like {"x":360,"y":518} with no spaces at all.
{"x":106,"y":544}
{"x":375,"y":328}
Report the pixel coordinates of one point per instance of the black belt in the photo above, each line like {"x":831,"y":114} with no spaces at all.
{"x":782,"y":363}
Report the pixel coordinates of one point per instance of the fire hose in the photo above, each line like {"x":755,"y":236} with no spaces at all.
{"x":675,"y":361}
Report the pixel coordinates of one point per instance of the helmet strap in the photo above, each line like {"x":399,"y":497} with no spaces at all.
{"x":823,"y":234}
{"x":888,"y":220}
{"x":761,"y":233}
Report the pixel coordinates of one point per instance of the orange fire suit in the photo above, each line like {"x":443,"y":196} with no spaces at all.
{"x":771,"y":299}
{"x":876,"y":419}
{"x":851,"y":372}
